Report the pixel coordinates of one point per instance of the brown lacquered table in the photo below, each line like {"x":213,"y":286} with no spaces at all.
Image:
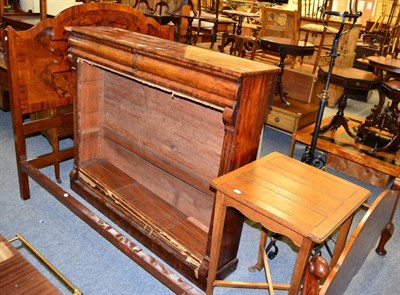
{"x":384,"y":63}
{"x":386,"y":67}
{"x":284,"y":47}
{"x":350,"y":157}
{"x":287,"y":197}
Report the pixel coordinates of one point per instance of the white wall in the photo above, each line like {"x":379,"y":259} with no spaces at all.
{"x":53,"y":6}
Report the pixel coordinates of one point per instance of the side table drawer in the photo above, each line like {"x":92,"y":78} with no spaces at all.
{"x":293,"y":117}
{"x":283,"y":119}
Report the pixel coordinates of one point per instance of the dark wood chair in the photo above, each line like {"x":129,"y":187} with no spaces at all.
{"x":377,"y":222}
{"x":41,"y":78}
{"x":238,"y":45}
{"x":200,"y":22}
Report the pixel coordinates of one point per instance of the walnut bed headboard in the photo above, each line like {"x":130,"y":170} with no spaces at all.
{"x":41,"y":78}
{"x":40,"y":73}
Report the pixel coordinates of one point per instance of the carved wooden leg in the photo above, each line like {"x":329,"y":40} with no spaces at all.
{"x":317,"y":269}
{"x":339,"y":119}
{"x":385,"y":237}
{"x":189,"y":31}
{"x":55,"y":148}
{"x":389,"y":229}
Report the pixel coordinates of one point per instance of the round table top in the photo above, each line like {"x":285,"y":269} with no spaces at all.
{"x":351,"y":74}
{"x":387,"y":63}
{"x":286,"y":41}
{"x":287,"y":46}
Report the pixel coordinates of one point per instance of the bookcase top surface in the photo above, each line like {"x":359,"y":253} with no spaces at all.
{"x":192,"y":55}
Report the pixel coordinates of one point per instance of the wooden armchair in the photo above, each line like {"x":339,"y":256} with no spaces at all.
{"x":41,"y":78}
{"x":201,"y":21}
{"x":377,"y":222}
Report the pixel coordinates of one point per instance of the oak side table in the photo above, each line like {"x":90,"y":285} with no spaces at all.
{"x":287,"y":197}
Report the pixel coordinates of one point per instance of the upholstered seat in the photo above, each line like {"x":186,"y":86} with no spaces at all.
{"x":311,"y":15}
{"x":318,"y":28}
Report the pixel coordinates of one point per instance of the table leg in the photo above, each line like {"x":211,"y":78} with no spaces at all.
{"x":339,"y":119}
{"x":386,"y":119}
{"x":341,"y":241}
{"x":391,"y":123}
{"x":373,"y":119}
{"x":239,"y":25}
{"x":218,"y":226}
{"x":279,"y":85}
{"x":261,"y":250}
{"x":189,"y":31}
{"x":301,"y":262}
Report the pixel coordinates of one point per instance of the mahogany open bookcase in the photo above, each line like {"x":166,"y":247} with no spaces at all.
{"x":155,"y":122}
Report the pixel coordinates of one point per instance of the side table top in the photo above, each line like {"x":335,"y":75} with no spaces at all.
{"x":387,"y":63}
{"x":287,"y":46}
{"x":300,"y":197}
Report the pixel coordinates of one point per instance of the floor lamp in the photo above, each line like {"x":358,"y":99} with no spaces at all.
{"x":310,"y":155}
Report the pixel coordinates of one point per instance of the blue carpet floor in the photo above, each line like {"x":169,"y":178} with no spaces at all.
{"x":97,"y":267}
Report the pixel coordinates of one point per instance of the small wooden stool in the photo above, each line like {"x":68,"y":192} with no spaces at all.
{"x":290,"y":198}
{"x":349,"y":79}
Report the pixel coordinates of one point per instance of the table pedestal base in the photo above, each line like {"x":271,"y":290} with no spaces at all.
{"x":385,"y":120}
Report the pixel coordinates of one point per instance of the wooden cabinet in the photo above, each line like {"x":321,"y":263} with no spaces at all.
{"x":156,"y":121}
{"x":293,"y":117}
{"x":298,"y":83}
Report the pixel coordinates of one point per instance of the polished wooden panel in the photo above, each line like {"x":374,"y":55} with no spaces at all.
{"x":157,"y":120}
{"x":18,"y":276}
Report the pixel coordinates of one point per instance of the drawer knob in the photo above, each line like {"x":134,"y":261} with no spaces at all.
{"x":277,"y":119}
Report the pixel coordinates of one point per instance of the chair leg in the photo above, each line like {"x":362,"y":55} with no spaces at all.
{"x":320,"y":47}
{"x":305,"y":41}
{"x":20,"y":154}
{"x":55,"y":148}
